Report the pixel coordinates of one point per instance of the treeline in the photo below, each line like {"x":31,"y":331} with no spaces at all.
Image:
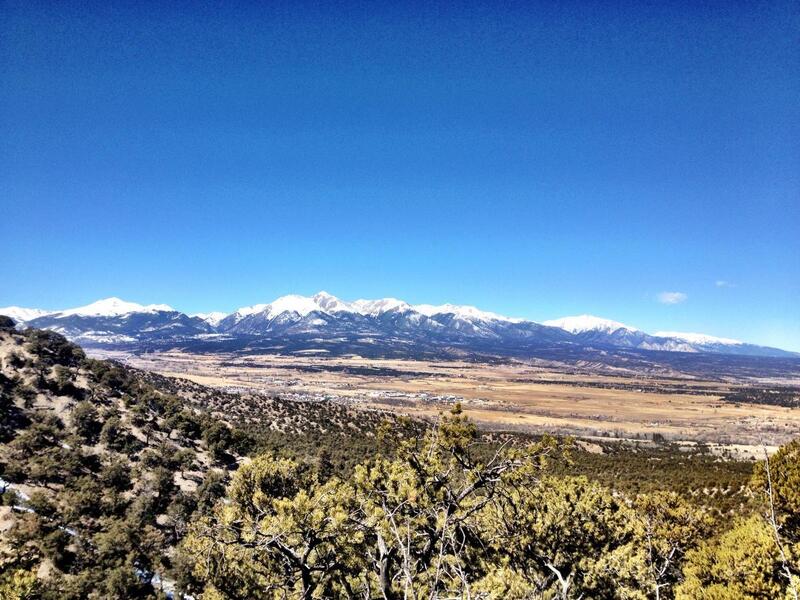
{"x":783,"y":396}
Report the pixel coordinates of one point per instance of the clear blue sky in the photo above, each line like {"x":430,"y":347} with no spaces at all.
{"x":538,"y":160}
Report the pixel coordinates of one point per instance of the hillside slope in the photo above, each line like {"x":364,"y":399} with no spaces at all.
{"x":102,"y":466}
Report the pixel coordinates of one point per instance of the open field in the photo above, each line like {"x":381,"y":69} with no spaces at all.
{"x":509,"y":396}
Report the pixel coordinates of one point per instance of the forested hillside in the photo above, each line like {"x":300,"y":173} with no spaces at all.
{"x":123,"y":484}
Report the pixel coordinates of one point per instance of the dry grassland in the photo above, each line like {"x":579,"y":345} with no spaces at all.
{"x":514,"y":396}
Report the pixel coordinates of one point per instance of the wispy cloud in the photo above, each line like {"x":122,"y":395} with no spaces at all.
{"x":671,"y":297}
{"x":721,"y":283}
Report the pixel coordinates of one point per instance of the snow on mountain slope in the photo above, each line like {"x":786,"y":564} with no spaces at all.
{"x":326,"y":303}
{"x":373,"y":308}
{"x":112,"y":307}
{"x":212,"y":318}
{"x":583,"y":323}
{"x":246,"y":311}
{"x":293,"y":303}
{"x":469,"y":313}
{"x":330,"y":304}
{"x":301,"y":305}
{"x":698,"y":338}
{"x":22,"y":315}
{"x":322,"y":302}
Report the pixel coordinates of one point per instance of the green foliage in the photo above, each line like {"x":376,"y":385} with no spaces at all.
{"x":282,"y":530}
{"x":759,"y":557}
{"x":185,"y":459}
{"x":666,"y":528}
{"x":116,"y":476}
{"x":555,"y":535}
{"x":397,"y":525}
{"x":218,"y":438}
{"x":11,"y":416}
{"x":53,"y":349}
{"x":86,"y":422}
{"x":785,"y":490}
{"x":18,"y":584}
{"x":447,"y":515}
{"x":210,"y":490}
{"x":117,"y":437}
{"x":741,"y":564}
{"x":701,"y":479}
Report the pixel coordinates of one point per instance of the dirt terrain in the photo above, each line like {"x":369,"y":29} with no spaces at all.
{"x":509,"y":395}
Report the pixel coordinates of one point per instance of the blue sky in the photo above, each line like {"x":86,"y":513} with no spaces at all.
{"x":538,"y":160}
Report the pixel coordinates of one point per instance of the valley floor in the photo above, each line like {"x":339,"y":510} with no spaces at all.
{"x":504,"y":396}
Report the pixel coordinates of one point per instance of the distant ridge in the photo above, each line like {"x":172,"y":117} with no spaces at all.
{"x":386,"y":323}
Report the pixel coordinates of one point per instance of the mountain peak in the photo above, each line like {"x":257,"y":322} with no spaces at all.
{"x":213,"y":318}
{"x":112,"y":307}
{"x":302,"y":305}
{"x":583,"y":323}
{"x":469,"y":313}
{"x":320,"y":302}
{"x":378,"y":307}
{"x":293,"y":303}
{"x":329,"y":303}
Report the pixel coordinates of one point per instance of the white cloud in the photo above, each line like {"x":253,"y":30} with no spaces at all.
{"x":721,"y":283}
{"x":671,"y":297}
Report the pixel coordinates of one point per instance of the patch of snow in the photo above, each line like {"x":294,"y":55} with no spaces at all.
{"x":583,"y":323}
{"x":213,"y":336}
{"x":8,"y":485}
{"x":104,"y":337}
{"x":698,"y":338}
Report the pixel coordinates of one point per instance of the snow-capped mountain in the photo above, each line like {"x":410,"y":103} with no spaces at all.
{"x":385,"y":325}
{"x":698,"y":338}
{"x":584,"y":323}
{"x":589,"y":329}
{"x":376,"y":308}
{"x":322,"y":309}
{"x":700,"y":342}
{"x":115,"y":321}
{"x":462,"y":312}
{"x":324,"y":302}
{"x":23,"y":315}
{"x":108,"y":307}
{"x":112,"y":307}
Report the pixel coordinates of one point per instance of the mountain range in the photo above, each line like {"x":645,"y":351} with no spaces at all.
{"x":386,"y":326}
